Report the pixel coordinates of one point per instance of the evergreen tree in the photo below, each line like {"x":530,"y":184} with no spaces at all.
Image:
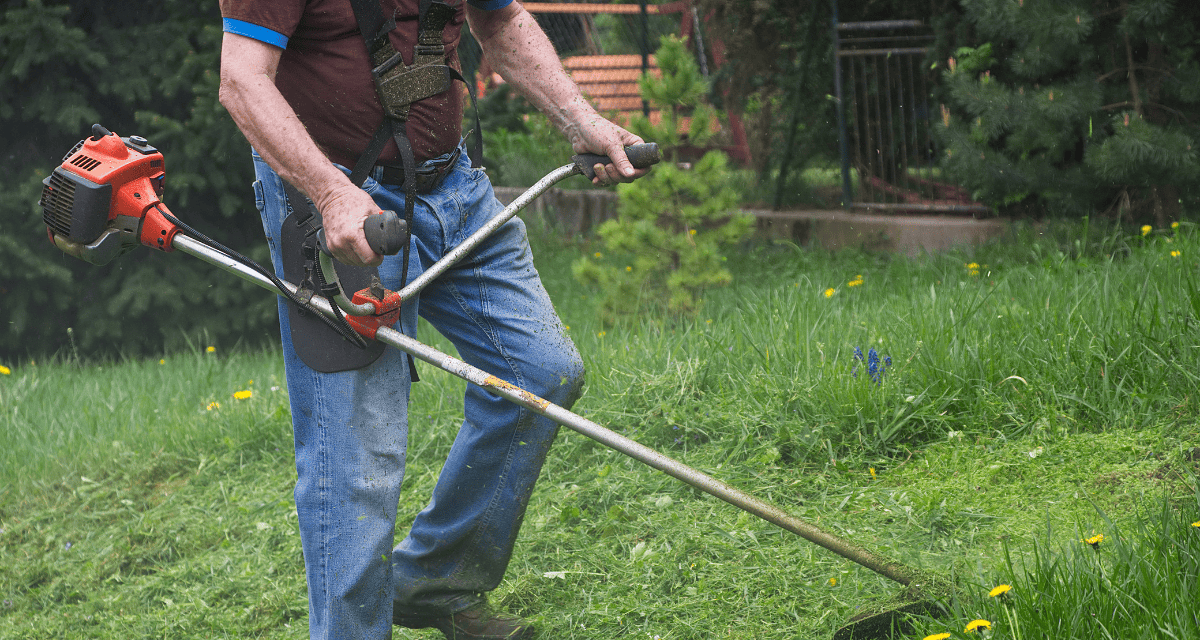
{"x":1076,"y":106}
{"x":673,"y":223}
{"x":149,"y":69}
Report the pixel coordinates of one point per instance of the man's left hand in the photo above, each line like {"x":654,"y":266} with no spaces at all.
{"x":598,"y":135}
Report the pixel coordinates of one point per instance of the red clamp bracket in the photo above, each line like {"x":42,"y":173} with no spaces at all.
{"x":387,"y":312}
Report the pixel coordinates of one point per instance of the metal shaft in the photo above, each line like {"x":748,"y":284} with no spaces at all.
{"x":708,"y":484}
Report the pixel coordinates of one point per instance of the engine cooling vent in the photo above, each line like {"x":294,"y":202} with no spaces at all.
{"x":58,"y":197}
{"x":85,"y":163}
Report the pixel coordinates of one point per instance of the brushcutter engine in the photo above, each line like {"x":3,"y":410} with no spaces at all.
{"x":103,"y":200}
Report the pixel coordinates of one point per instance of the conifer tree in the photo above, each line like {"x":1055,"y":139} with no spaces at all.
{"x":673,"y":223}
{"x":1077,"y":106}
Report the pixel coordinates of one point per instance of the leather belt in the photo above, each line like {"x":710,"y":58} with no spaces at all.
{"x":429,"y":173}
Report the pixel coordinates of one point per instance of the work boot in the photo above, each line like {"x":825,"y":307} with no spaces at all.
{"x":476,"y":623}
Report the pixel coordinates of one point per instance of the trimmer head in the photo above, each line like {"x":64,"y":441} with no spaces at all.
{"x":892,"y":617}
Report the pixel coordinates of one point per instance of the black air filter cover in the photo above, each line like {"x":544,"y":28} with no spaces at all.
{"x":74,"y":207}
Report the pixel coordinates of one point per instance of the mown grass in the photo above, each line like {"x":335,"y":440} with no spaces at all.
{"x":1058,"y":384}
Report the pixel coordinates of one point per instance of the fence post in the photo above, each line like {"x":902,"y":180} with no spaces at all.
{"x":841,"y":110}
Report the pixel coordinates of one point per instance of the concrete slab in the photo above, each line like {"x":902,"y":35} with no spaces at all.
{"x":578,"y":212}
{"x":911,"y":234}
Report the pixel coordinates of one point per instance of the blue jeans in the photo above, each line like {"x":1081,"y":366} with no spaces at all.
{"x":351,"y":427}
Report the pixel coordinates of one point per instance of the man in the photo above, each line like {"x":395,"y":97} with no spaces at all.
{"x":296,"y":77}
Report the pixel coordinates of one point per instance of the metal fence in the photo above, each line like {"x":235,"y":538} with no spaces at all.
{"x":882,"y":86}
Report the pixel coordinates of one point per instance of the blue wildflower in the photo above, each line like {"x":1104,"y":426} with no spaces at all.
{"x":876,"y":367}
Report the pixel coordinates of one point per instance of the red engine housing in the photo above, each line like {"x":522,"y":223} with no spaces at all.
{"x":103,"y":199}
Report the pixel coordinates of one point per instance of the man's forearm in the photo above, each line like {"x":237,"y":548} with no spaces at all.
{"x":276,"y":133}
{"x":517,"y":48}
{"x":270,"y":124}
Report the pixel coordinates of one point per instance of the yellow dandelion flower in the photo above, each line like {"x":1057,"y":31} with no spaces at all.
{"x":598,"y":254}
{"x":162,"y":360}
{"x":1196,"y":524}
{"x":602,"y":334}
{"x":5,"y":370}
{"x":211,"y":349}
{"x":1174,"y":226}
{"x":627,"y":268}
{"x":567,"y":327}
{"x":833,"y":582}
{"x":1095,"y":540}
{"x":1146,"y":229}
{"x":242,"y":395}
{"x":1176,"y":253}
{"x":976,"y":625}
{"x":973,"y":266}
{"x":973,"y":272}
{"x":999,"y":590}
{"x":858,"y":279}
{"x":829,"y":292}
{"x":691,"y":232}
{"x":213,"y":405}
{"x":872,"y":470}
{"x":709,"y":321}
{"x":937,"y":636}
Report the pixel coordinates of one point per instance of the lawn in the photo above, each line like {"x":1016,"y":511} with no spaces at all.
{"x":1028,"y":395}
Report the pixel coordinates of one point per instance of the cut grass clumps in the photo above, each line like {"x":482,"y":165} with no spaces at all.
{"x":1141,"y":584}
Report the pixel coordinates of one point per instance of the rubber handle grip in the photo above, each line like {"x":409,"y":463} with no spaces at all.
{"x":640,"y":155}
{"x":387,"y":233}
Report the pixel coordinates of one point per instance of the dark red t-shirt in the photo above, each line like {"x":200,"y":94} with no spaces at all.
{"x":325,"y":75}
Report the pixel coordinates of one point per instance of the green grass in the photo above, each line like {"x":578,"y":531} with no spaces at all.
{"x":1059,"y":385}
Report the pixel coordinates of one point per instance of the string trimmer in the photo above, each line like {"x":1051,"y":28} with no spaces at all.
{"x":104,"y":200}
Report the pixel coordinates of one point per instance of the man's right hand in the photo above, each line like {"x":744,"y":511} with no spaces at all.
{"x":344,"y":209}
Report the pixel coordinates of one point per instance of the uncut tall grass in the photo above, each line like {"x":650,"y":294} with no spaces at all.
{"x":1058,"y":330}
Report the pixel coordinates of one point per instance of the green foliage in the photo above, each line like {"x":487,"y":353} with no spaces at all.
{"x":1075,"y":107}
{"x":672,"y":224}
{"x":138,"y":70}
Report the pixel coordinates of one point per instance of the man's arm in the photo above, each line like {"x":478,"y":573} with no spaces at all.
{"x":248,"y":92}
{"x":516,"y":48}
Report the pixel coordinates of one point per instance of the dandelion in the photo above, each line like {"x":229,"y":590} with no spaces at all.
{"x":628,"y":269}
{"x":1175,"y":226}
{"x":976,"y":625}
{"x":211,"y":349}
{"x":691,"y":232}
{"x":1000,"y":590}
{"x":1146,"y":229}
{"x":1196,"y":524}
{"x":937,"y":636}
{"x":829,"y":292}
{"x":872,"y":470}
{"x":833,"y":582}
{"x":213,"y":405}
{"x":162,"y":360}
{"x":1176,"y":253}
{"x":1095,"y":541}
{"x":5,"y":370}
{"x":242,"y":395}
{"x":858,"y":279}
{"x":602,"y":334}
